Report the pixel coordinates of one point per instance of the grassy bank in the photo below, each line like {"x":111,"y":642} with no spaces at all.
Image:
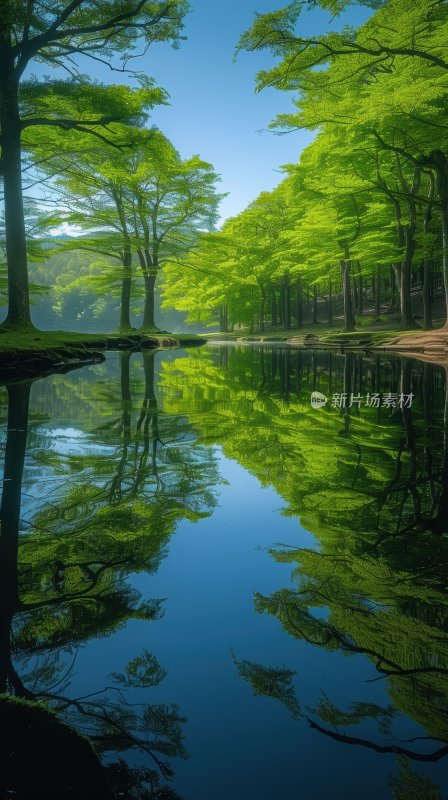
{"x":32,"y":351}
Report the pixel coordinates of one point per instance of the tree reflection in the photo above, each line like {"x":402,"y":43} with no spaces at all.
{"x":374,"y":493}
{"x":64,"y":580}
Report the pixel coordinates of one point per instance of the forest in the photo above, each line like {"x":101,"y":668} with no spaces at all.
{"x":359,"y":226}
{"x":354,"y":235}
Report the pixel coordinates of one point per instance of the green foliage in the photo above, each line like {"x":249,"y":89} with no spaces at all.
{"x":143,"y":670}
{"x":412,"y":786}
{"x":136,"y":212}
{"x":275,"y":682}
{"x":56,"y":36}
{"x":366,"y":205}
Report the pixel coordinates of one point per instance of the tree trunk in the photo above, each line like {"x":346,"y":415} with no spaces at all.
{"x":261,"y":312}
{"x":287,"y":302}
{"x":397,"y":272}
{"x":444,"y":215}
{"x":125,"y":303}
{"x":427,"y":265}
{"x":393,"y":306}
{"x":355,"y":300}
{"x":441,"y":164}
{"x":330,"y":305}
{"x":315,"y":304}
{"x":16,"y":255}
{"x":149,"y":323}
{"x":149,"y":270}
{"x":398,"y":268}
{"x":378,"y":292}
{"x":407,"y":318}
{"x":360,"y":293}
{"x":273,"y":306}
{"x":299,"y":303}
{"x":348,"y":310}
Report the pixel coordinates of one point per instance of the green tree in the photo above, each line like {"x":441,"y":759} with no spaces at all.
{"x":172,"y":201}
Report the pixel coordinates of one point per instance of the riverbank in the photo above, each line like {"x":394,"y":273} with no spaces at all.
{"x":431,"y":343}
{"x":407,"y":342}
{"x":33,"y":351}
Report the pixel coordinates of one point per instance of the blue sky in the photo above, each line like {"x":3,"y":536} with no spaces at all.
{"x":214,"y":110}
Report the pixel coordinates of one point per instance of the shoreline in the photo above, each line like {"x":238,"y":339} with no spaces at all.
{"x":427,"y":345}
{"x":32,"y":352}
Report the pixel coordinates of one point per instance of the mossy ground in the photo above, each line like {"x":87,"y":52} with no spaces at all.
{"x":44,"y":757}
{"x":31,"y":339}
{"x":29,"y":351}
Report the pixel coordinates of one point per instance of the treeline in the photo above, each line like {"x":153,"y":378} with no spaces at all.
{"x":360,"y":224}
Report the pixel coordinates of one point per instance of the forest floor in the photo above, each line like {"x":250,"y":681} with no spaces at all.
{"x":30,"y":351}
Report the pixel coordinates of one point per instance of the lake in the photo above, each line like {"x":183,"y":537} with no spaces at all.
{"x":233,"y":592}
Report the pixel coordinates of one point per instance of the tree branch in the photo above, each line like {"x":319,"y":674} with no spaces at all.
{"x":55,"y":35}
{"x":78,"y":125}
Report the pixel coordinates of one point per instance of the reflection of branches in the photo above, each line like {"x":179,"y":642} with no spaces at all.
{"x":378,"y":748}
{"x":111,"y":732}
{"x":326,"y":634}
{"x":276,"y":683}
{"x":118,"y":726}
{"x":69,"y":597}
{"x":72,"y":586}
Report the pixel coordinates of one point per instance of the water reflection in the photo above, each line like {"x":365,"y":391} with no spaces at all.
{"x":122,"y":456}
{"x":64,"y":580}
{"x":372,"y":486}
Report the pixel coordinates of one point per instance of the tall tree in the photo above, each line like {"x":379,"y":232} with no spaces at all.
{"x":172,"y":201}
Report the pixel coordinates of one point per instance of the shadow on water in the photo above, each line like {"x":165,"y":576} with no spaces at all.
{"x":63,"y":581}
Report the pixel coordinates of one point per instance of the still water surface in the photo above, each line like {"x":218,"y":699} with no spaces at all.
{"x":232,"y":594}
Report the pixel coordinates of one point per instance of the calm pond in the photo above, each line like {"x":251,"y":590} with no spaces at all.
{"x":234,"y":594}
